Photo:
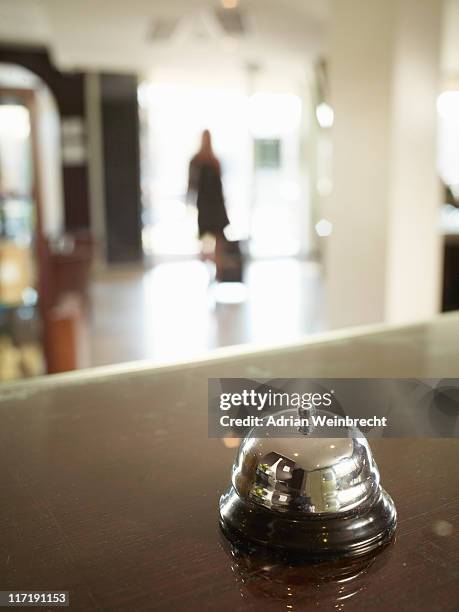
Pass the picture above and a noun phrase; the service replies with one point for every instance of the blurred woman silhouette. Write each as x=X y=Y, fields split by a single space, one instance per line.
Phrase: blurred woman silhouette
x=205 y=181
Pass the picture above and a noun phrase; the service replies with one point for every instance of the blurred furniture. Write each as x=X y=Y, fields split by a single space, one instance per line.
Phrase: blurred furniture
x=68 y=269
x=117 y=494
x=67 y=335
x=70 y=264
x=15 y=271
x=21 y=353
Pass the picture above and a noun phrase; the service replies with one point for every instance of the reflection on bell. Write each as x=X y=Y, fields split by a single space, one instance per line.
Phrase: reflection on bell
x=308 y=494
x=263 y=574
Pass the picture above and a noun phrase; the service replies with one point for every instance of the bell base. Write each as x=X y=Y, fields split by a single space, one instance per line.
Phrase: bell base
x=351 y=534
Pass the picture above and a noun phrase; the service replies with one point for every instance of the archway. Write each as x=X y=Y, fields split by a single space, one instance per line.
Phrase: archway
x=31 y=211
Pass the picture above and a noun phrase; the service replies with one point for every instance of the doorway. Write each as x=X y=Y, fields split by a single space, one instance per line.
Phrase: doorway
x=258 y=140
x=21 y=238
x=31 y=212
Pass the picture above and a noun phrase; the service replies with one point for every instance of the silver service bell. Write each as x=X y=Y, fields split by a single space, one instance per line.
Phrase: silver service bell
x=308 y=493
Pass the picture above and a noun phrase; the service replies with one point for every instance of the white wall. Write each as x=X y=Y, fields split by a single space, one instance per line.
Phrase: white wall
x=360 y=71
x=382 y=259
x=50 y=163
x=414 y=247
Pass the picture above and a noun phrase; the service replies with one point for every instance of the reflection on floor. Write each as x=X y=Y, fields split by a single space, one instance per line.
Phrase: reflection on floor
x=174 y=311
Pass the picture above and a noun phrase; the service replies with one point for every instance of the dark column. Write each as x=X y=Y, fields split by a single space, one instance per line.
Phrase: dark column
x=120 y=134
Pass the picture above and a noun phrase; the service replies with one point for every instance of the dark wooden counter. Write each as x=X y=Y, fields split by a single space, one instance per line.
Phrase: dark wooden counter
x=109 y=488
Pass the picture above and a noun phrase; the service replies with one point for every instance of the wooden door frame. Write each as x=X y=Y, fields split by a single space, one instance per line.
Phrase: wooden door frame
x=28 y=98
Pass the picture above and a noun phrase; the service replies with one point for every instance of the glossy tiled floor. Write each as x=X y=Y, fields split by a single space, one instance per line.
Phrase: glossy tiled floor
x=174 y=311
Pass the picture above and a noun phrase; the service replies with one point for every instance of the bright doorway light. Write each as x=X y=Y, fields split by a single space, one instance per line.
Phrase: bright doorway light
x=448 y=105
x=14 y=122
x=176 y=115
x=274 y=114
x=257 y=140
x=230 y=293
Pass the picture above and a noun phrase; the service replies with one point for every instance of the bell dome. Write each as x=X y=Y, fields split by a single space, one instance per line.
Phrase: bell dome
x=308 y=493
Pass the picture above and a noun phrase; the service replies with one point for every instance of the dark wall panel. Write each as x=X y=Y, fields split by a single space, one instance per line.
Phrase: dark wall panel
x=120 y=127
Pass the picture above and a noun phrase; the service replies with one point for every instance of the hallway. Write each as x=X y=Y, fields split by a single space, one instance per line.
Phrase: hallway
x=173 y=311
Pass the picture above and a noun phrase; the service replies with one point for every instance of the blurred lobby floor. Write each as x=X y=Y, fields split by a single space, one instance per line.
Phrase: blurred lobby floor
x=173 y=311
